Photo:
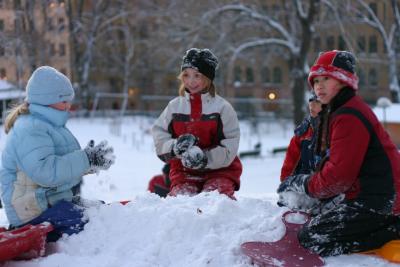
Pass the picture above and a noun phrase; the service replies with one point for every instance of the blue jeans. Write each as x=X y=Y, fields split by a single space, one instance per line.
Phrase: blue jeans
x=66 y=218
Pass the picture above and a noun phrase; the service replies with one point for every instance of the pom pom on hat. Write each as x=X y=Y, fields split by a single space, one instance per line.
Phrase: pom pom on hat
x=339 y=65
x=203 y=60
x=48 y=86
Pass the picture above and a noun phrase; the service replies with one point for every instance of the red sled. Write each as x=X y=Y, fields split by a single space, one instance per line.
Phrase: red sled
x=286 y=252
x=24 y=243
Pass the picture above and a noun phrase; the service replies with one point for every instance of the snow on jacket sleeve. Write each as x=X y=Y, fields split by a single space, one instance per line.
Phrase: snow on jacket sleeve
x=162 y=137
x=223 y=155
x=348 y=145
x=38 y=160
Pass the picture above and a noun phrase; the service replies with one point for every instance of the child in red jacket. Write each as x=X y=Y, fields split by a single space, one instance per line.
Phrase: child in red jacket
x=360 y=161
x=198 y=132
x=300 y=154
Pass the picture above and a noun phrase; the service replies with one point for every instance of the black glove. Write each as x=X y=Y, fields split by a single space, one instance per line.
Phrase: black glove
x=183 y=143
x=194 y=158
x=295 y=183
x=101 y=156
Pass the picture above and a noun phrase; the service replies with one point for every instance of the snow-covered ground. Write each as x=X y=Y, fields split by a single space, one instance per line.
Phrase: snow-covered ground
x=205 y=230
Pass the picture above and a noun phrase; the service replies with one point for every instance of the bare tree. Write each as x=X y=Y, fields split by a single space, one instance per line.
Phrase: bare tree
x=28 y=39
x=87 y=20
x=292 y=32
x=365 y=14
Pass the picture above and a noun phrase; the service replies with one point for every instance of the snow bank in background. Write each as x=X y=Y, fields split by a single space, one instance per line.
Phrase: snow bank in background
x=392 y=113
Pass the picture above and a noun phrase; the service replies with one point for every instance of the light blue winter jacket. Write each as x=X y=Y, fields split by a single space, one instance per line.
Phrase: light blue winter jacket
x=41 y=162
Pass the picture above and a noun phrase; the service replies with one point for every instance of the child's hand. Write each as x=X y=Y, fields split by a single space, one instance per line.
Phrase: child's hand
x=183 y=143
x=101 y=156
x=194 y=158
x=294 y=183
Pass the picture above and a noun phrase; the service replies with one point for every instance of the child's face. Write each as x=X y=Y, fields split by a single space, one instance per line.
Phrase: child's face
x=193 y=80
x=63 y=106
x=315 y=107
x=326 y=88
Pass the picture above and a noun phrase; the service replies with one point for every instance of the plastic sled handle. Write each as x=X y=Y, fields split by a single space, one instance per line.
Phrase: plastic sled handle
x=294 y=226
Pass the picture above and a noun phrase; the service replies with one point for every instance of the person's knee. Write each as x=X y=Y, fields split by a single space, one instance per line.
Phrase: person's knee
x=222 y=185
x=188 y=189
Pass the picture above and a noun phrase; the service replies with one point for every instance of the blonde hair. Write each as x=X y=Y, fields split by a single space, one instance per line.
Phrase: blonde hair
x=13 y=114
x=210 y=87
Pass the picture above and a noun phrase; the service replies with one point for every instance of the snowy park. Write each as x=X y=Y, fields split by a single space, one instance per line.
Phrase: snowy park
x=205 y=230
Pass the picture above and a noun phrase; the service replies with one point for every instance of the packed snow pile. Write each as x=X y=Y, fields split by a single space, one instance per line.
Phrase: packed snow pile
x=204 y=230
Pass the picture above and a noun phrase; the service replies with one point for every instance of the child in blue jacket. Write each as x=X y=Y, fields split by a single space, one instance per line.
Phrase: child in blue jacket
x=42 y=161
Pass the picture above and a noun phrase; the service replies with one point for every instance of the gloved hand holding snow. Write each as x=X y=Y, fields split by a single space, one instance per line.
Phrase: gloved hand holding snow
x=101 y=156
x=194 y=158
x=183 y=143
x=297 y=201
x=294 y=183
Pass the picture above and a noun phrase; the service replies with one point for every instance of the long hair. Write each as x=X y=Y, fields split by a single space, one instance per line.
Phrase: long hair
x=13 y=114
x=210 y=87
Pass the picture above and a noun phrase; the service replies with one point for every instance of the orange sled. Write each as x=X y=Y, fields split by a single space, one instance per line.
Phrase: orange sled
x=390 y=251
x=24 y=243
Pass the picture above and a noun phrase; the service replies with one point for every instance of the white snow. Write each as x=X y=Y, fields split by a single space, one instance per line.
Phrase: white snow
x=204 y=230
x=390 y=114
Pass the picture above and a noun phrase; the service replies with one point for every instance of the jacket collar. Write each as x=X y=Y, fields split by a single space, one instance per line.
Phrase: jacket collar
x=204 y=96
x=342 y=97
x=55 y=117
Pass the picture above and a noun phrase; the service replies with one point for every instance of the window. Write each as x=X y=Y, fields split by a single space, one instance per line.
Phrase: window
x=397 y=44
x=265 y=75
x=1 y=3
x=121 y=35
x=374 y=8
x=373 y=77
x=361 y=77
x=1 y=25
x=237 y=74
x=52 y=51
x=361 y=43
x=317 y=44
x=341 y=43
x=249 y=75
x=277 y=75
x=50 y=25
x=373 y=44
x=61 y=24
x=61 y=50
x=3 y=73
x=330 y=43
x=17 y=4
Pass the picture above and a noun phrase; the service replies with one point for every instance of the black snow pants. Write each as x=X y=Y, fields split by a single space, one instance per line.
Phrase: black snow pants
x=348 y=228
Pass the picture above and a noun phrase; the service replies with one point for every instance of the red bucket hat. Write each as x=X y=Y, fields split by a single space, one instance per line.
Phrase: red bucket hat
x=339 y=65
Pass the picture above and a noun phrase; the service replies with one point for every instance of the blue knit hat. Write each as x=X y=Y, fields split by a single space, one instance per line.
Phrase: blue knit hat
x=48 y=86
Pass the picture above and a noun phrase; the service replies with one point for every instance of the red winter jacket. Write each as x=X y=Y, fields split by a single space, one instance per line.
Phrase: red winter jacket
x=363 y=163
x=214 y=122
x=293 y=153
